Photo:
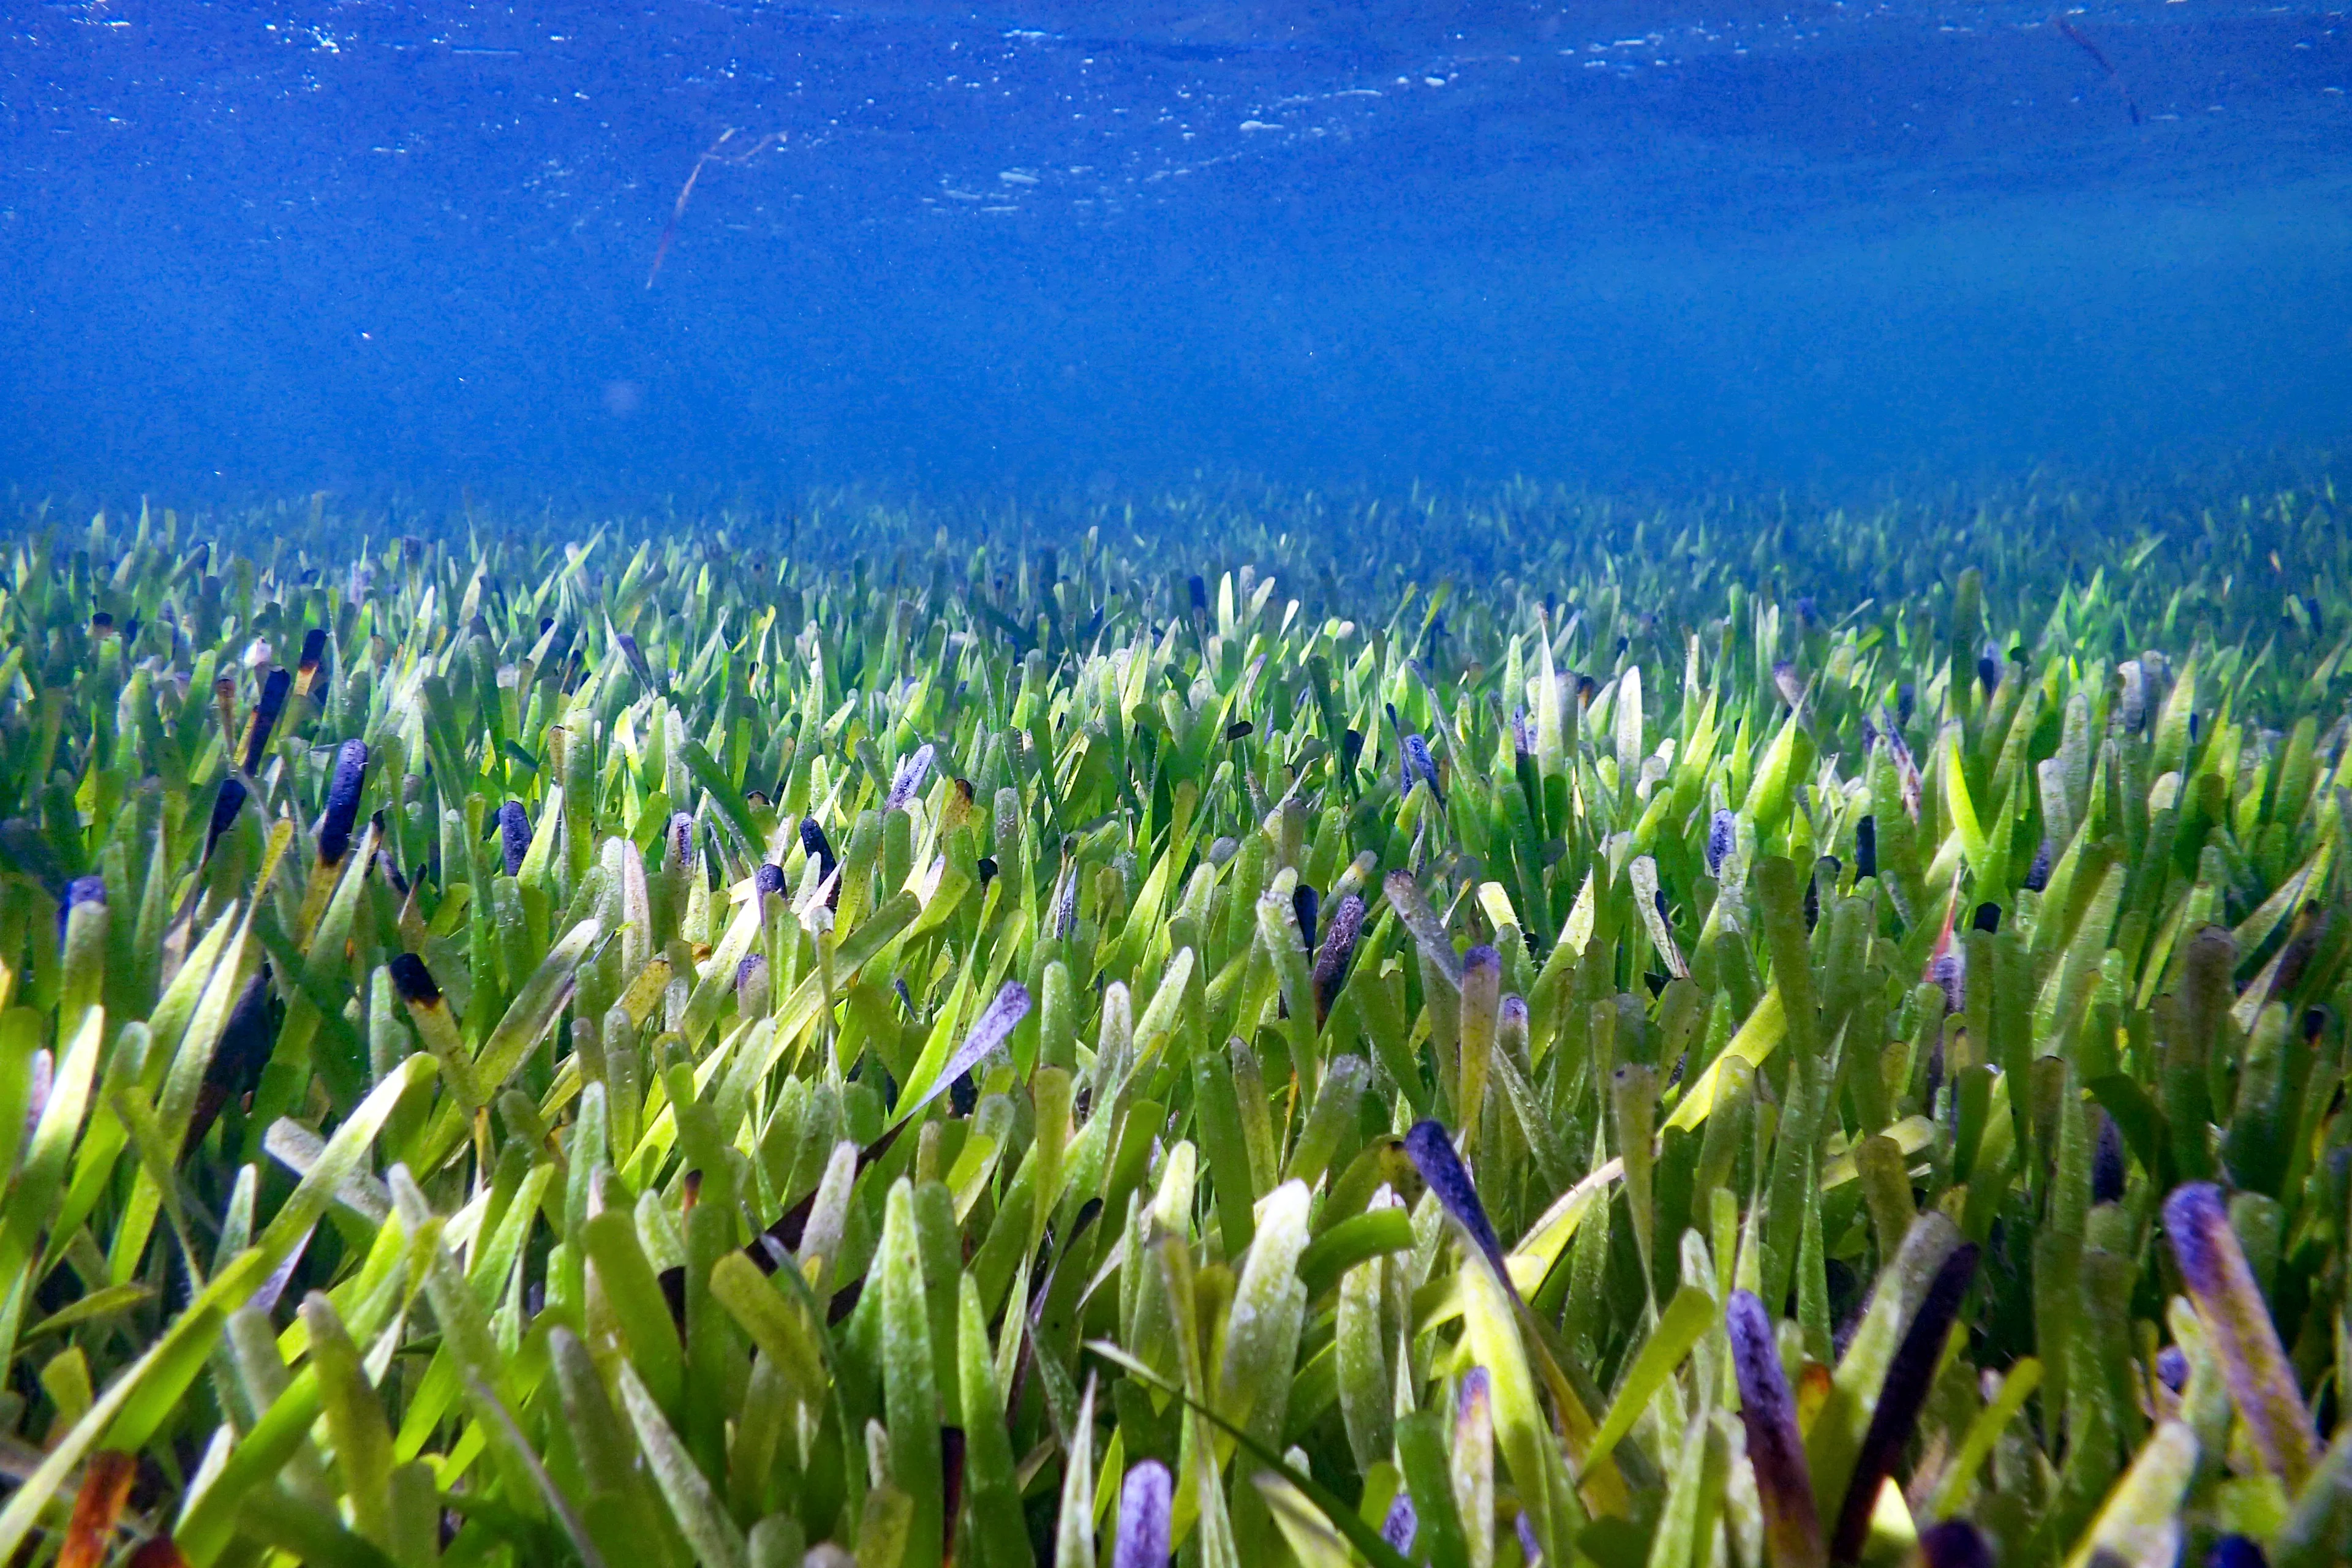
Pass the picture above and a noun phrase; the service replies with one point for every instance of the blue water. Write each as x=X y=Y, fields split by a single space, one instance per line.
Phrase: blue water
x=389 y=248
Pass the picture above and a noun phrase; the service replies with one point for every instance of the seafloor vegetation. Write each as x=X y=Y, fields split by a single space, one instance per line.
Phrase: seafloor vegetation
x=1279 y=1032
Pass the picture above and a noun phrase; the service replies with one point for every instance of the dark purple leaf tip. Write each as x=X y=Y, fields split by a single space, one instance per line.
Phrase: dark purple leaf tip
x=2037 y=875
x=1421 y=767
x=1475 y=1389
x=2107 y=1163
x=414 y=981
x=1146 y=1501
x=1792 y=1521
x=1900 y=1396
x=2197 y=1222
x=908 y=780
x=1955 y=1544
x=951 y=1465
x=342 y=807
x=2244 y=1338
x=226 y=806
x=1431 y=1149
x=989 y=1032
x=265 y=717
x=2236 y=1552
x=1948 y=973
x=1306 y=904
x=1722 y=834
x=514 y=836
x=245 y=1038
x=813 y=841
x=1403 y=1524
x=1338 y=947
x=1529 y=1547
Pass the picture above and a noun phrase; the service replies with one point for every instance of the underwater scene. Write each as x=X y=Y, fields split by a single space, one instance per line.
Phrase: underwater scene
x=1175 y=784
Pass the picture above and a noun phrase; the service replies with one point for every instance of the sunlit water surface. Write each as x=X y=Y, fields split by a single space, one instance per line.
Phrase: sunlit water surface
x=1088 y=247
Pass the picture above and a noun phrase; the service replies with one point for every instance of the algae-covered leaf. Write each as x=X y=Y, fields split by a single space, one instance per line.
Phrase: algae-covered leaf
x=1309 y=1536
x=909 y=1382
x=533 y=1010
x=2139 y=1524
x=1681 y=1323
x=715 y=1537
x=1359 y=1535
x=989 y=1032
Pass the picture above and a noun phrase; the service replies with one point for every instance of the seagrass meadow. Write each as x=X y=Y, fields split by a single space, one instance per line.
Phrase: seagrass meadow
x=1246 y=1029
